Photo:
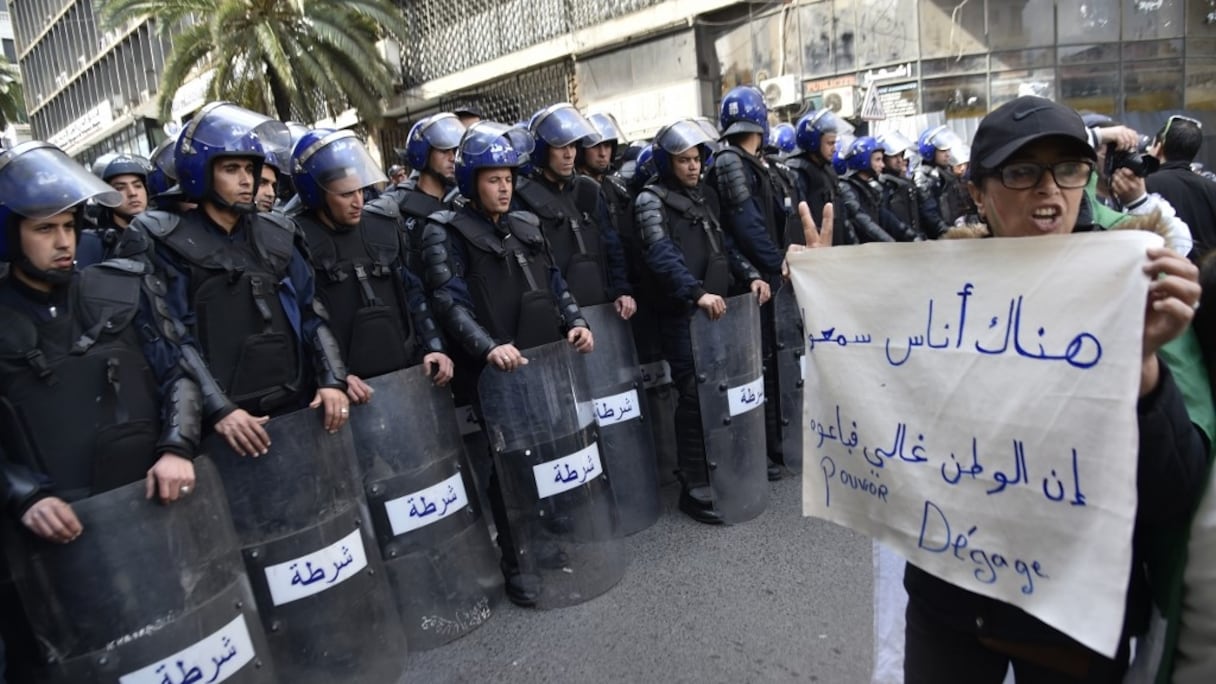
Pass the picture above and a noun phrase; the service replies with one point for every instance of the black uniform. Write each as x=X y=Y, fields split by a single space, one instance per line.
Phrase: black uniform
x=689 y=256
x=583 y=241
x=863 y=200
x=246 y=299
x=92 y=352
x=377 y=309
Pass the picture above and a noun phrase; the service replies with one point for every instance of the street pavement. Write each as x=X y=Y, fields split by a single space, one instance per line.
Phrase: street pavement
x=781 y=598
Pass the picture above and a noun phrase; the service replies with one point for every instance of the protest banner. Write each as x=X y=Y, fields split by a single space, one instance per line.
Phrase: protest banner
x=972 y=404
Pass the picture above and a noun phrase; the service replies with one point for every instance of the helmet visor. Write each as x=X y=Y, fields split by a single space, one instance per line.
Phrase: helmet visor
x=563 y=125
x=38 y=181
x=895 y=143
x=341 y=164
x=443 y=131
x=225 y=123
x=682 y=136
x=947 y=139
x=163 y=159
x=607 y=128
x=484 y=136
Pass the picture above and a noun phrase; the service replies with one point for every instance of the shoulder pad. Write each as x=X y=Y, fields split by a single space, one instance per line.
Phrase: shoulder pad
x=648 y=199
x=280 y=221
x=125 y=266
x=526 y=226
x=384 y=206
x=444 y=217
x=618 y=183
x=157 y=223
x=728 y=158
x=526 y=217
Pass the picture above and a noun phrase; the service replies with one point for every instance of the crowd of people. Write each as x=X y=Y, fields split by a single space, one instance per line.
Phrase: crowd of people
x=253 y=268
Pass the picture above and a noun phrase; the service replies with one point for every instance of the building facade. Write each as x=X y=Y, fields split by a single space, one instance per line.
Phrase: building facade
x=649 y=61
x=89 y=89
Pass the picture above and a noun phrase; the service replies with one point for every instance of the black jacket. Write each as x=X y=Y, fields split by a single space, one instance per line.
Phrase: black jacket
x=1194 y=199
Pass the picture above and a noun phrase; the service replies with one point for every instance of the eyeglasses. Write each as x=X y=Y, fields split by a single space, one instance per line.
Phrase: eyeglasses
x=1178 y=117
x=1025 y=175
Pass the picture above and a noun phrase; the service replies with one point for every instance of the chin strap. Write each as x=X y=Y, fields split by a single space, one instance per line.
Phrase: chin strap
x=238 y=207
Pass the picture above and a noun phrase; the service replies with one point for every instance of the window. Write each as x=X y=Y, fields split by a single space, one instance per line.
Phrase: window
x=1159 y=19
x=1152 y=86
x=1093 y=87
x=1007 y=85
x=1029 y=23
x=1087 y=21
x=1201 y=75
x=958 y=97
x=1024 y=59
x=950 y=28
x=886 y=32
x=816 y=28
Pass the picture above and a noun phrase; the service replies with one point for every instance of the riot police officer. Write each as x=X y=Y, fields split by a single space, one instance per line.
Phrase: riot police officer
x=240 y=284
x=781 y=141
x=816 y=135
x=863 y=199
x=939 y=179
x=755 y=214
x=85 y=347
x=696 y=265
x=274 y=169
x=431 y=151
x=377 y=308
x=597 y=160
x=573 y=215
x=900 y=193
x=127 y=174
x=496 y=290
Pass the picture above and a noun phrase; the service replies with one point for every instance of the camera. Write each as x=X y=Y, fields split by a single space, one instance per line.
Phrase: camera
x=1136 y=161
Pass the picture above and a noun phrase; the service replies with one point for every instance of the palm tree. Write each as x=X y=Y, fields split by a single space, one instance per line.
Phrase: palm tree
x=300 y=59
x=12 y=98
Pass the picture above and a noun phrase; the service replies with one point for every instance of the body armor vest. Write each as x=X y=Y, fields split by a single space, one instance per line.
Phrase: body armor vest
x=241 y=325
x=568 y=222
x=508 y=279
x=694 y=228
x=359 y=283
x=900 y=198
x=84 y=366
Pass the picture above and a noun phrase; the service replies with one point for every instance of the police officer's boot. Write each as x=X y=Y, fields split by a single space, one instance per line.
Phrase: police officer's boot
x=772 y=417
x=522 y=588
x=696 y=499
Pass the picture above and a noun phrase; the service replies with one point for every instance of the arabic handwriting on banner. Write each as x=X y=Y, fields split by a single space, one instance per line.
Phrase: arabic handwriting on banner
x=1054 y=486
x=1084 y=350
x=209 y=661
x=981 y=419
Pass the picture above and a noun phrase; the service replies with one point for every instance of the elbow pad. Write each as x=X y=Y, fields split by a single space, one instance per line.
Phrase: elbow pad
x=732 y=178
x=216 y=404
x=327 y=358
x=183 y=419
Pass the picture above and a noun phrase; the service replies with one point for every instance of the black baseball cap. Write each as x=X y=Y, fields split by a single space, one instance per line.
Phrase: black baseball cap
x=1019 y=122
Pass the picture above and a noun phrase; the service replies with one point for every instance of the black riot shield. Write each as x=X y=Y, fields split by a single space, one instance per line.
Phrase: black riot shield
x=148 y=593
x=312 y=560
x=791 y=346
x=436 y=548
x=623 y=416
x=541 y=427
x=660 y=393
x=730 y=391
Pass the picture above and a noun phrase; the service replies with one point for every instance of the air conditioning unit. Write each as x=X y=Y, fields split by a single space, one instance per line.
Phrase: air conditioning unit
x=782 y=91
x=840 y=101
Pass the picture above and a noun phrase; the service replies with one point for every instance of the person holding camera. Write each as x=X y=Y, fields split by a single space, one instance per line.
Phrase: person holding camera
x=1193 y=196
x=1117 y=189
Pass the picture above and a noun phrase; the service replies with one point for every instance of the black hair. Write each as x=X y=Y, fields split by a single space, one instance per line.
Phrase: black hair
x=1182 y=140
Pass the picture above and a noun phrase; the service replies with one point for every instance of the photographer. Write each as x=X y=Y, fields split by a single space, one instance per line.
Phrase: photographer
x=1194 y=196
x=1117 y=189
